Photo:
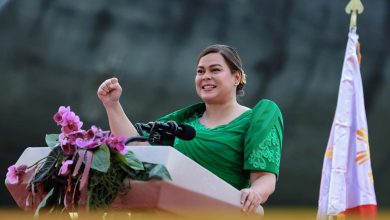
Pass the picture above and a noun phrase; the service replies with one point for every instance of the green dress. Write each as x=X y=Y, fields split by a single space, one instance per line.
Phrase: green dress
x=252 y=141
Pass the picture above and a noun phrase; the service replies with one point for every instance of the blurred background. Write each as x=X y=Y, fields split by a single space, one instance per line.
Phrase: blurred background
x=57 y=52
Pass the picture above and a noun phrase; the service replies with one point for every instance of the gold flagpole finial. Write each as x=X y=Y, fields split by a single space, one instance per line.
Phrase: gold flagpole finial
x=354 y=7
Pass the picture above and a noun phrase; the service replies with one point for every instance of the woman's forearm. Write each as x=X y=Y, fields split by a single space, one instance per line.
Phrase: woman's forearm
x=262 y=186
x=263 y=183
x=120 y=124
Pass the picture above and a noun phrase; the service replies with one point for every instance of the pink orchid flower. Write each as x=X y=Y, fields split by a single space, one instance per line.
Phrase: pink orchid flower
x=117 y=143
x=64 y=170
x=14 y=173
x=58 y=117
x=68 y=141
x=71 y=123
x=90 y=139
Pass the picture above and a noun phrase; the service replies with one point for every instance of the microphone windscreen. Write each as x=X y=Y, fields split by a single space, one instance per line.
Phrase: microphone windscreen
x=187 y=132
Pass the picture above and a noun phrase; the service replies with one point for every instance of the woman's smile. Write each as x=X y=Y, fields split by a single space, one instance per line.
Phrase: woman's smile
x=208 y=87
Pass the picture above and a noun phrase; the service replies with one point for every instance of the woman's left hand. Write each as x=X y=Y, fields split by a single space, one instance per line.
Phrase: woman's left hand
x=251 y=199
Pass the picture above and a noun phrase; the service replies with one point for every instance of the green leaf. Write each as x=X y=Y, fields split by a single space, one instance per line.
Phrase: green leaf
x=131 y=161
x=51 y=140
x=130 y=172
x=157 y=171
x=43 y=203
x=101 y=159
x=50 y=162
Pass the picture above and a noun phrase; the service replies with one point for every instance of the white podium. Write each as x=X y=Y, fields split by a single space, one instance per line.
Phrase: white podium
x=192 y=188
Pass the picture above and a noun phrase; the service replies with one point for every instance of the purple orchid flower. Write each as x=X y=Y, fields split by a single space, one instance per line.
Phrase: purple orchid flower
x=71 y=123
x=68 y=141
x=89 y=139
x=14 y=173
x=92 y=138
x=58 y=117
x=64 y=170
x=117 y=143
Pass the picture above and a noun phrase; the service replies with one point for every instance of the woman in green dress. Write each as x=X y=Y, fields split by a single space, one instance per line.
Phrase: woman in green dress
x=240 y=145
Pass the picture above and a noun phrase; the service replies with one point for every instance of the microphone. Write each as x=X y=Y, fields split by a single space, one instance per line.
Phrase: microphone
x=182 y=131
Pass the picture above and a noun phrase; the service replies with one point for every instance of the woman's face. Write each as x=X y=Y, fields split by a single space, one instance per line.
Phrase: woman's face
x=214 y=80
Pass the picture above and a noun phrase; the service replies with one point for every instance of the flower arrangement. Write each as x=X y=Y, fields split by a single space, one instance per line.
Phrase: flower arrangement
x=84 y=169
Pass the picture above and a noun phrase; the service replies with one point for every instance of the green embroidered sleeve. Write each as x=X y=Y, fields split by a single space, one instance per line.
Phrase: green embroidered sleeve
x=266 y=156
x=263 y=141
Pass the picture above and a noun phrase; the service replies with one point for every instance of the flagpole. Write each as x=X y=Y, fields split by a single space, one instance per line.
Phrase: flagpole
x=354 y=7
x=346 y=188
